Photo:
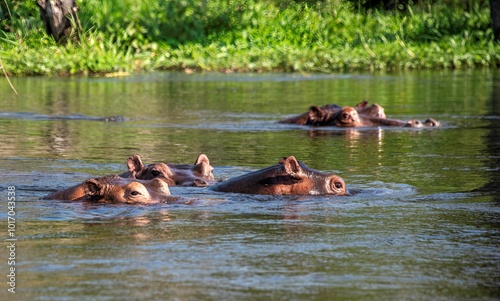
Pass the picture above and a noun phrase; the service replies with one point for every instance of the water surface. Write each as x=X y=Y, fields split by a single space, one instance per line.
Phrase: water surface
x=423 y=224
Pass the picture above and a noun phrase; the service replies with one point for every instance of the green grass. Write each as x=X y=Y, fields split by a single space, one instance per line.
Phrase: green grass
x=245 y=35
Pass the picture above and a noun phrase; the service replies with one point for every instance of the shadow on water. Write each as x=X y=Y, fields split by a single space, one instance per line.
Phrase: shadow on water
x=492 y=142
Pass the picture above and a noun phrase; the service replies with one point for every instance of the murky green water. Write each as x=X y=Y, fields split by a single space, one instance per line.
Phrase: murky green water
x=425 y=224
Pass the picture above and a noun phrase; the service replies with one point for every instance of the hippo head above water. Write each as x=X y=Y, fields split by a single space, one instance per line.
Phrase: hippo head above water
x=115 y=189
x=328 y=114
x=199 y=174
x=288 y=177
x=361 y=115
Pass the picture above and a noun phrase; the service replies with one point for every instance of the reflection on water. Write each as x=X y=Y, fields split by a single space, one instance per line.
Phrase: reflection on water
x=492 y=141
x=422 y=221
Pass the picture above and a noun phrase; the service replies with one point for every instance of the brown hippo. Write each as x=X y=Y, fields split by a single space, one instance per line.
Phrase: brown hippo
x=289 y=177
x=323 y=116
x=350 y=117
x=115 y=189
x=360 y=115
x=199 y=174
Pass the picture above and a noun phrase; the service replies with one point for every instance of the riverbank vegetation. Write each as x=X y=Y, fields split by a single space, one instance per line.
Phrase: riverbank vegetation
x=251 y=35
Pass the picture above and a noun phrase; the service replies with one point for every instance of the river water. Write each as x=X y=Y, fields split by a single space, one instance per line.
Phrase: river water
x=424 y=223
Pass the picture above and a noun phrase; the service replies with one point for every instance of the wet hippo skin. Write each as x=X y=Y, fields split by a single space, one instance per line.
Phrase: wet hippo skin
x=200 y=174
x=115 y=189
x=288 y=177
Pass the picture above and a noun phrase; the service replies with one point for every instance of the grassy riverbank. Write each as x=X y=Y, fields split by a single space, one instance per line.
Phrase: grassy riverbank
x=251 y=35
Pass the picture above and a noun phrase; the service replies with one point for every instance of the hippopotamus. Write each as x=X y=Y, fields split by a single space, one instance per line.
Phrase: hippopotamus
x=288 y=177
x=323 y=116
x=200 y=174
x=350 y=117
x=115 y=189
x=360 y=115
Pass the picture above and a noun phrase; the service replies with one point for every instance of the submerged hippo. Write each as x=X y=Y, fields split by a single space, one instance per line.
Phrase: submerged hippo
x=360 y=115
x=288 y=177
x=349 y=117
x=199 y=174
x=115 y=189
x=323 y=116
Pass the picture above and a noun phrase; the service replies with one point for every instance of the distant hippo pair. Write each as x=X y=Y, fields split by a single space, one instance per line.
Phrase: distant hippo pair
x=288 y=177
x=361 y=115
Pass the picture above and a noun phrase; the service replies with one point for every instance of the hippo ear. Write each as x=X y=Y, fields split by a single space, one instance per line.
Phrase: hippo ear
x=92 y=187
x=202 y=165
x=135 y=165
x=202 y=158
x=291 y=165
x=315 y=113
x=362 y=104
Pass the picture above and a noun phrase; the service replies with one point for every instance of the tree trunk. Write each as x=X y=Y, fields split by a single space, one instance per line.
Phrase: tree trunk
x=495 y=17
x=59 y=17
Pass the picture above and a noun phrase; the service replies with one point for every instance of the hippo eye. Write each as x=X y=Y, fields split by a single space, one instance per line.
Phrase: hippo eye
x=345 y=115
x=155 y=173
x=135 y=193
x=338 y=185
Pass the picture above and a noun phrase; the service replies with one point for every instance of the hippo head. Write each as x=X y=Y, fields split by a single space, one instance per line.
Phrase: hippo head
x=288 y=177
x=114 y=189
x=375 y=110
x=347 y=117
x=309 y=181
x=198 y=174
